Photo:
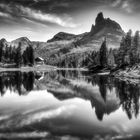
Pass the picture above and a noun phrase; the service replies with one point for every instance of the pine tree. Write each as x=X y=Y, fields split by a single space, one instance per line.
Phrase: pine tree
x=111 y=59
x=31 y=55
x=1 y=50
x=25 y=57
x=18 y=56
x=127 y=47
x=135 y=50
x=124 y=52
x=103 y=54
x=1 y=53
x=121 y=52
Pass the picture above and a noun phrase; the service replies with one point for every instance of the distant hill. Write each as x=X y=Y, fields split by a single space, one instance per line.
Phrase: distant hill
x=66 y=36
x=24 y=41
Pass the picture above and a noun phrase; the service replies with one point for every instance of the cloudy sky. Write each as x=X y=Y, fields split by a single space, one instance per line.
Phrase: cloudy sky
x=41 y=19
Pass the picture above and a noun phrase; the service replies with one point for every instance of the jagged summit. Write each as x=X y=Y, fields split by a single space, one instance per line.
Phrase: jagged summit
x=104 y=27
x=99 y=19
x=101 y=22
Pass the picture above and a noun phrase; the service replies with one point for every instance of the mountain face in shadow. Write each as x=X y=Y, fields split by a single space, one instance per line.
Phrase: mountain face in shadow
x=102 y=22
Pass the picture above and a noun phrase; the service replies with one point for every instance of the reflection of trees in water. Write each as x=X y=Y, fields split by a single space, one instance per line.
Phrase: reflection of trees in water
x=71 y=74
x=15 y=81
x=128 y=93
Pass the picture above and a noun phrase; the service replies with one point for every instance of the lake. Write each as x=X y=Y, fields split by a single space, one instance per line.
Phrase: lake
x=68 y=105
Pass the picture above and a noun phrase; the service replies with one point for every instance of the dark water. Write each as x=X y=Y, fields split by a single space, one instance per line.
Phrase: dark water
x=68 y=105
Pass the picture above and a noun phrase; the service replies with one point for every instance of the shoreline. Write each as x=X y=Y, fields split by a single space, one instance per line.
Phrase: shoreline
x=40 y=68
x=129 y=74
x=27 y=68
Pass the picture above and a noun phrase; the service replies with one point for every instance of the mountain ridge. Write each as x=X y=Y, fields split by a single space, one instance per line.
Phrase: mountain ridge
x=104 y=27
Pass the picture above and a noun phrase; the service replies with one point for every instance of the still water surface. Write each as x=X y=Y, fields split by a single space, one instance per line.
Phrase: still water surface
x=68 y=105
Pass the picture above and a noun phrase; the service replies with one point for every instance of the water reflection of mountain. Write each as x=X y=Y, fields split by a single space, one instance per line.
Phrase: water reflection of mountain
x=105 y=93
x=127 y=93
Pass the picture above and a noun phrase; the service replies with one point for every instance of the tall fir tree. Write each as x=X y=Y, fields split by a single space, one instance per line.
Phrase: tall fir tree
x=111 y=58
x=121 y=52
x=123 y=56
x=31 y=55
x=18 y=56
x=135 y=49
x=127 y=47
x=1 y=53
x=103 y=54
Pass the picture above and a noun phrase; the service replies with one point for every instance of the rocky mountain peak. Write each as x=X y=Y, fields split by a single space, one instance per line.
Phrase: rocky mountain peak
x=99 y=19
x=102 y=23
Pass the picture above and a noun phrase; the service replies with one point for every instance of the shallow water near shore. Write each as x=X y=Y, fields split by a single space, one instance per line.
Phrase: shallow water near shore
x=68 y=105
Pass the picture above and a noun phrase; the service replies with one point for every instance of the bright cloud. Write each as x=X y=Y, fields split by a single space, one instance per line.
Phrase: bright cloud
x=36 y=15
x=66 y=21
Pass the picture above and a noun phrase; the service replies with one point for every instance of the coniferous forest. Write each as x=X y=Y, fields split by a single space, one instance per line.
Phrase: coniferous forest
x=14 y=56
x=128 y=53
